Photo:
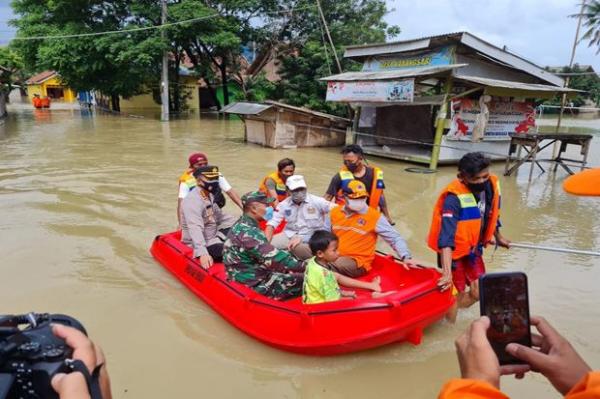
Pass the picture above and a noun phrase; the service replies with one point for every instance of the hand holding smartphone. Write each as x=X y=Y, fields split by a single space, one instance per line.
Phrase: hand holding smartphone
x=504 y=298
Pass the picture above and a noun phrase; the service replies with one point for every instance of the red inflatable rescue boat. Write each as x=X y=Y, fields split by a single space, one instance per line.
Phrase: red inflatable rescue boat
x=321 y=329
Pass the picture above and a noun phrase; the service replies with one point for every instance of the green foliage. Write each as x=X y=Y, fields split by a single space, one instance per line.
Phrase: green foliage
x=310 y=57
x=10 y=67
x=589 y=84
x=591 y=18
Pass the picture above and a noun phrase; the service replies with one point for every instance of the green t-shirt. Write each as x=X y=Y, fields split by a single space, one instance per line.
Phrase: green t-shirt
x=320 y=284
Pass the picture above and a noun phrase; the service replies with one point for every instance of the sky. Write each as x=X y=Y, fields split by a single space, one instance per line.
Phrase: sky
x=538 y=30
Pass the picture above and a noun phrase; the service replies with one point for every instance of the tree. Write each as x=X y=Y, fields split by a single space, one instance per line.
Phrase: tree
x=591 y=17
x=115 y=64
x=310 y=56
x=10 y=65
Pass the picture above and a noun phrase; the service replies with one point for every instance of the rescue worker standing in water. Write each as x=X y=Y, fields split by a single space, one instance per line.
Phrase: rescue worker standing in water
x=466 y=218
x=355 y=168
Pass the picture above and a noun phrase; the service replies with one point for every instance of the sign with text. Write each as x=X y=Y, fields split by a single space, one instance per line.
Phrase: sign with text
x=399 y=91
x=442 y=56
x=503 y=117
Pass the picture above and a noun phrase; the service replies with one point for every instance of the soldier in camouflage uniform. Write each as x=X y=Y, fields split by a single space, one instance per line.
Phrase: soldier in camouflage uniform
x=250 y=259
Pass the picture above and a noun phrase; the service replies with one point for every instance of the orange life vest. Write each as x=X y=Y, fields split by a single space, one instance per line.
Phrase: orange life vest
x=468 y=231
x=376 y=187
x=356 y=233
x=587 y=388
x=280 y=188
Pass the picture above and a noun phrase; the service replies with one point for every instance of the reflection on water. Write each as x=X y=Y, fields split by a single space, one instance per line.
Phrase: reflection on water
x=82 y=196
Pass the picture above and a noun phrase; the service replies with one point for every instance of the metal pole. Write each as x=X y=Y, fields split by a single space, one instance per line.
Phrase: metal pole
x=564 y=96
x=164 y=84
x=554 y=249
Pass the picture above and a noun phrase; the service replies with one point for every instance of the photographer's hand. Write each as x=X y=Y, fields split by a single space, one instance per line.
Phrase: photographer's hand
x=73 y=385
x=556 y=358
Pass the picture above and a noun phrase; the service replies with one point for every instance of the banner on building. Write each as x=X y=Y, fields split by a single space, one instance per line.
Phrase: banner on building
x=399 y=91
x=501 y=119
x=442 y=56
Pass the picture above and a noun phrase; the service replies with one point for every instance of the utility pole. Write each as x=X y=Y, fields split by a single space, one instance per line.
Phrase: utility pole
x=164 y=84
x=564 y=96
x=337 y=60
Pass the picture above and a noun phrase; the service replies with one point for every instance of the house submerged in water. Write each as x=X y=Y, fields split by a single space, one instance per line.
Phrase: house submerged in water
x=430 y=100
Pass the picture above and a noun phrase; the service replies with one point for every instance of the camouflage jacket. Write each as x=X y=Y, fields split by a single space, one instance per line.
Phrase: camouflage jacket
x=250 y=259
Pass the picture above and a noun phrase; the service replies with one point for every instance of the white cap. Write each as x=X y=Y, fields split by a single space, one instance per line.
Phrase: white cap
x=295 y=181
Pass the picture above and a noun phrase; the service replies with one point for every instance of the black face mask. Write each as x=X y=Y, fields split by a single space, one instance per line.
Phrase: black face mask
x=476 y=187
x=351 y=166
x=211 y=186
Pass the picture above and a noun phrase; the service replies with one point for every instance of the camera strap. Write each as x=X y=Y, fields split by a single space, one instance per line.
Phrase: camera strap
x=92 y=381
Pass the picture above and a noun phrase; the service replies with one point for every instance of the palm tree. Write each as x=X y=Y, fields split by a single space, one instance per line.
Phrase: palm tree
x=591 y=20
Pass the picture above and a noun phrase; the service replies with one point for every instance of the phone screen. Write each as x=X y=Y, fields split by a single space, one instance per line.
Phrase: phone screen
x=504 y=299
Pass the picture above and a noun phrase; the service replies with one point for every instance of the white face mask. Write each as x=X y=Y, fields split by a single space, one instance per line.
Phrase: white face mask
x=356 y=205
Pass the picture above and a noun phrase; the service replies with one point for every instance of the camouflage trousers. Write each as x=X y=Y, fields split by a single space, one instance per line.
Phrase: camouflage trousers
x=282 y=286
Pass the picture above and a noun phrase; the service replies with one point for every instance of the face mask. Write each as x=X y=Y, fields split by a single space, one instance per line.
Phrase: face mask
x=298 y=196
x=356 y=205
x=476 y=187
x=268 y=213
x=352 y=167
x=211 y=186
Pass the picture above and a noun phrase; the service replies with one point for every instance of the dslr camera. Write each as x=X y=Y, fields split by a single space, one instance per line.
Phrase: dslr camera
x=30 y=354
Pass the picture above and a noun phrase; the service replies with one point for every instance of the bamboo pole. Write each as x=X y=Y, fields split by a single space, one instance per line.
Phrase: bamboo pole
x=554 y=249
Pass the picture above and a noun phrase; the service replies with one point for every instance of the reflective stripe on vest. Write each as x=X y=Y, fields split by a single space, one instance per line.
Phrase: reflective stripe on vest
x=468 y=230
x=376 y=188
x=280 y=188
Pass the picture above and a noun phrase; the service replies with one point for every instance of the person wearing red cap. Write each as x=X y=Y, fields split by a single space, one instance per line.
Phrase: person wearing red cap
x=187 y=183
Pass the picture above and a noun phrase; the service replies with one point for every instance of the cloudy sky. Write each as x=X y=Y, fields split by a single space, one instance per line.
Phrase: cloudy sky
x=539 y=30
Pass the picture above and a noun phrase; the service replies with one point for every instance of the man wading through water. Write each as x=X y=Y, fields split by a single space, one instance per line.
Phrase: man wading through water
x=466 y=218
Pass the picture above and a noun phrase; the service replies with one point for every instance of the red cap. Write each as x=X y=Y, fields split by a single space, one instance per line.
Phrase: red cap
x=194 y=158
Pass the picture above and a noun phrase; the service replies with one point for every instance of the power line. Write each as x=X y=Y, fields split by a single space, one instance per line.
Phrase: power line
x=187 y=21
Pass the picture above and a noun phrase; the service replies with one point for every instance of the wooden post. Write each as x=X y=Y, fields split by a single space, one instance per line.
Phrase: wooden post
x=440 y=122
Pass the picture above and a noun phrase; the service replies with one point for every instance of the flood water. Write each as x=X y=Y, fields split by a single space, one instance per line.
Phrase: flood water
x=82 y=197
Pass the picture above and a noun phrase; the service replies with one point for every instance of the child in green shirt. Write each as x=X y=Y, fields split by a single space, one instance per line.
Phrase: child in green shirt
x=322 y=284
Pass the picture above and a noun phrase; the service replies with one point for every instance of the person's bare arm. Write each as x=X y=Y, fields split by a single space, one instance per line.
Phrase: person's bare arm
x=446 y=259
x=269 y=232
x=353 y=283
x=384 y=209
x=235 y=198
x=178 y=213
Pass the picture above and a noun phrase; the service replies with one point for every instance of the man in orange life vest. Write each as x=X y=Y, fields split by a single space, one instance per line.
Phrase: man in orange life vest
x=356 y=168
x=466 y=219
x=358 y=226
x=552 y=355
x=273 y=185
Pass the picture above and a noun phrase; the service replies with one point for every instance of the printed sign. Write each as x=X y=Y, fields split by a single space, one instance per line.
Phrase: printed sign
x=442 y=56
x=400 y=91
x=504 y=117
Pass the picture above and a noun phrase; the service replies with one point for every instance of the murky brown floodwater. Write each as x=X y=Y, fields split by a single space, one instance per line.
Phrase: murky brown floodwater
x=82 y=197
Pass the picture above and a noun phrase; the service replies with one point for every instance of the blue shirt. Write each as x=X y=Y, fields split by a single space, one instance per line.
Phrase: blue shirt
x=451 y=212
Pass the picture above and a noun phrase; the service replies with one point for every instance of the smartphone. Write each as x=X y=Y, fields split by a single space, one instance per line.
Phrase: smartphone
x=504 y=298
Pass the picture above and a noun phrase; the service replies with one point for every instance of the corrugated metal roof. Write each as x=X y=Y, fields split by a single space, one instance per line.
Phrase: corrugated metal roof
x=245 y=108
x=514 y=85
x=40 y=77
x=248 y=108
x=404 y=41
x=397 y=74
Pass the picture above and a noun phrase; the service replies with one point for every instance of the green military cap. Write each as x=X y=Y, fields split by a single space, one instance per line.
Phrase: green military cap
x=256 y=196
